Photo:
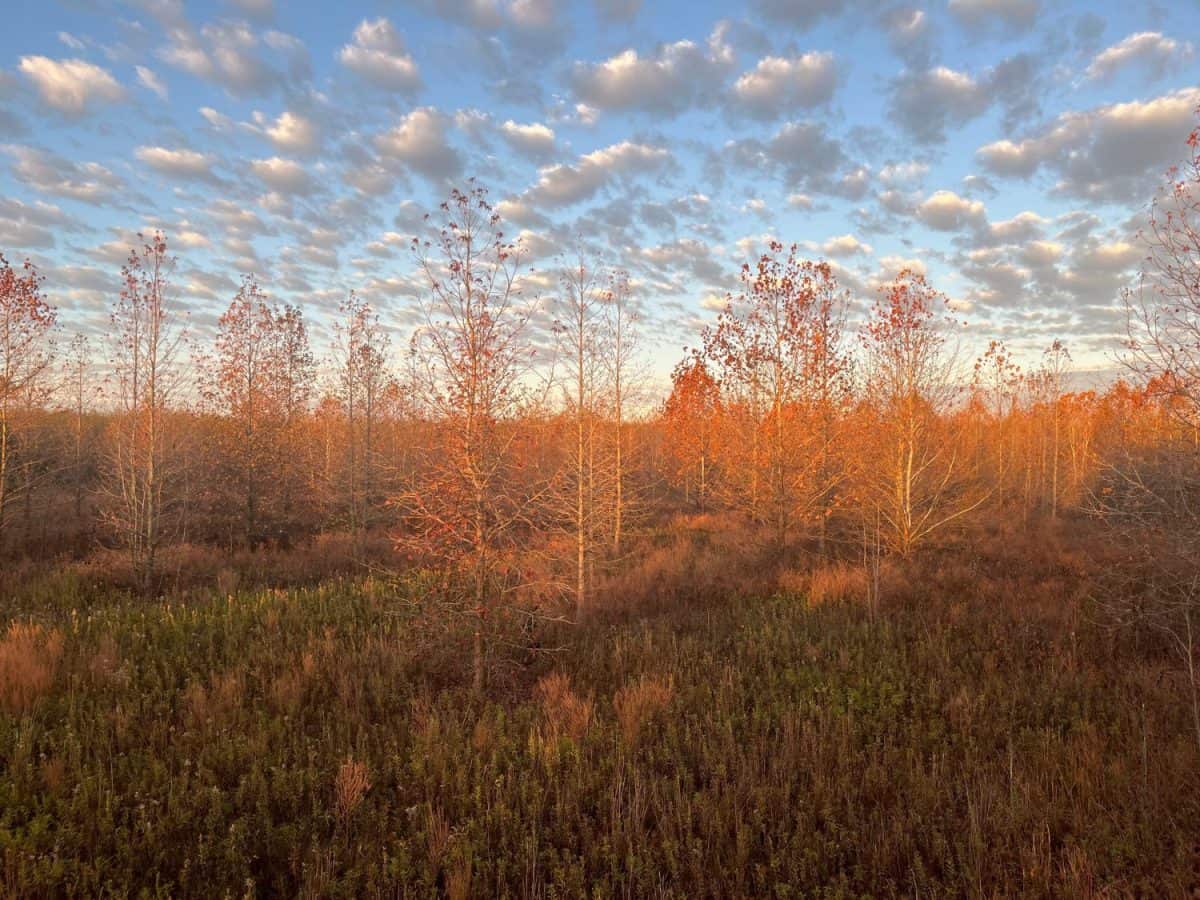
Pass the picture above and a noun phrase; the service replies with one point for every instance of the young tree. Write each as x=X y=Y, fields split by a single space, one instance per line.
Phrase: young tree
x=916 y=478
x=578 y=329
x=471 y=497
x=784 y=375
x=80 y=392
x=26 y=322
x=142 y=469
x=239 y=385
x=363 y=378
x=1163 y=308
x=691 y=417
x=619 y=358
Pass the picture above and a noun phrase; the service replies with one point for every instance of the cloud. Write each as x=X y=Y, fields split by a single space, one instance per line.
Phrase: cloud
x=618 y=10
x=482 y=14
x=806 y=157
x=87 y=182
x=419 y=142
x=1021 y=228
x=1147 y=48
x=256 y=9
x=151 y=82
x=293 y=133
x=926 y=102
x=802 y=14
x=565 y=184
x=177 y=163
x=1108 y=154
x=534 y=139
x=218 y=121
x=947 y=211
x=676 y=77
x=845 y=245
x=1015 y=15
x=777 y=85
x=24 y=225
x=71 y=86
x=225 y=53
x=377 y=54
x=283 y=175
x=894 y=174
x=908 y=34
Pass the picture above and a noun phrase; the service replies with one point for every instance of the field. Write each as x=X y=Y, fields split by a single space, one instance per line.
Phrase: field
x=319 y=742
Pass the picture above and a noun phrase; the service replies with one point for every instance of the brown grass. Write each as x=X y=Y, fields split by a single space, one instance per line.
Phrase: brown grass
x=566 y=712
x=838 y=583
x=29 y=658
x=349 y=787
x=640 y=701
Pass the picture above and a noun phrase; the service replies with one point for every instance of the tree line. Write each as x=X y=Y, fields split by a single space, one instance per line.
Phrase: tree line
x=474 y=448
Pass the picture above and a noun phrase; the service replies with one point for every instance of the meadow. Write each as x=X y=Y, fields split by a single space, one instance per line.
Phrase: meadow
x=978 y=732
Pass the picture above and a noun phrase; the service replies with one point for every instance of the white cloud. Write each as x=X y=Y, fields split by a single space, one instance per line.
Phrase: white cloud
x=72 y=86
x=176 y=163
x=779 y=84
x=1110 y=153
x=293 y=133
x=1024 y=226
x=151 y=82
x=283 y=175
x=1149 y=48
x=534 y=139
x=564 y=184
x=226 y=53
x=903 y=173
x=87 y=182
x=377 y=54
x=420 y=143
x=677 y=76
x=947 y=211
x=845 y=245
x=217 y=120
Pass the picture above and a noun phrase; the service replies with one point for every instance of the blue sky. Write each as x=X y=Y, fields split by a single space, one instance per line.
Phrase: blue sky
x=1007 y=147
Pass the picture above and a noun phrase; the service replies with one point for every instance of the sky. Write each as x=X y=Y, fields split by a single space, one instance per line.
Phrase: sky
x=1007 y=148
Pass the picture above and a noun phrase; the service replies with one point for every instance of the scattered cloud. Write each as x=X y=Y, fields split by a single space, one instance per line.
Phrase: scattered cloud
x=1149 y=49
x=181 y=163
x=675 y=77
x=377 y=54
x=779 y=85
x=420 y=143
x=71 y=86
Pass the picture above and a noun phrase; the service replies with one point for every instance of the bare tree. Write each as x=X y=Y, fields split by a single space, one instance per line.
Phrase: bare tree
x=916 y=478
x=578 y=328
x=26 y=321
x=471 y=496
x=142 y=467
x=363 y=375
x=1150 y=493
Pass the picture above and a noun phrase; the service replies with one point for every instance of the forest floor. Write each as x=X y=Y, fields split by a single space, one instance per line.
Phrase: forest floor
x=321 y=742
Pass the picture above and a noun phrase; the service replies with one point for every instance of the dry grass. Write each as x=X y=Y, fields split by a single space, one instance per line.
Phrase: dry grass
x=349 y=787
x=29 y=658
x=838 y=583
x=566 y=712
x=640 y=701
